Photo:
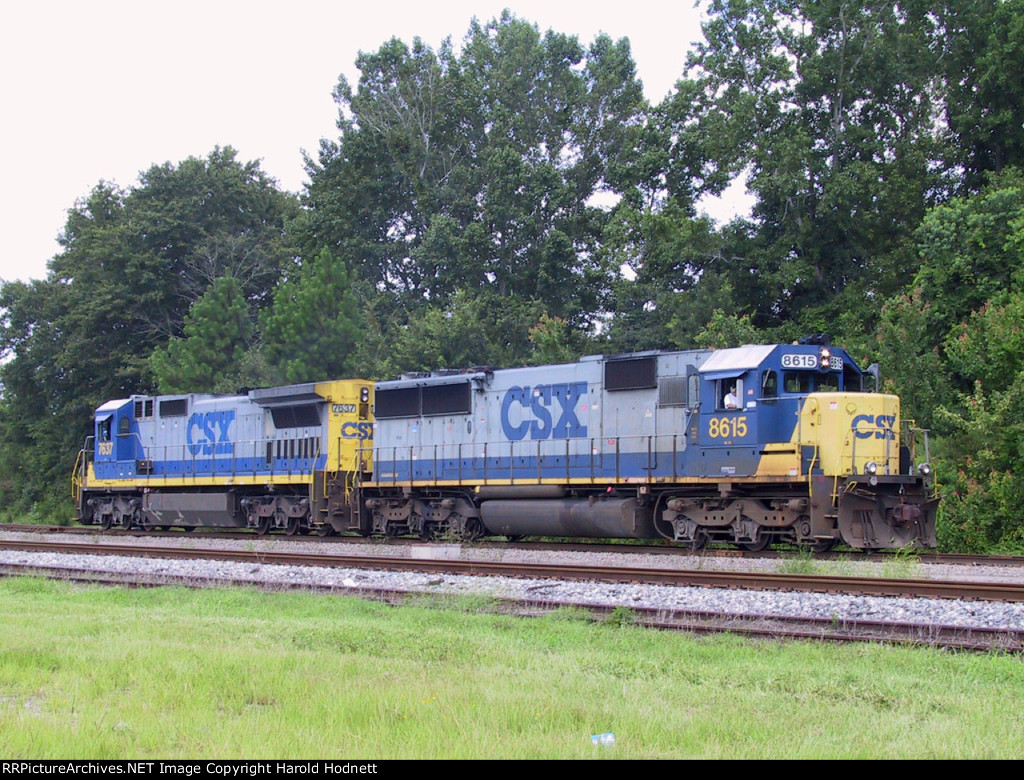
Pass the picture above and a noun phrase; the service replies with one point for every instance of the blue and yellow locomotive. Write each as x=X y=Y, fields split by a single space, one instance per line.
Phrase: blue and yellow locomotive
x=750 y=446
x=284 y=458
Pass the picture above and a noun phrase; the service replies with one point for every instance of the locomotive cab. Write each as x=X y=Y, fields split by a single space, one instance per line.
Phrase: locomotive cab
x=114 y=435
x=757 y=394
x=819 y=459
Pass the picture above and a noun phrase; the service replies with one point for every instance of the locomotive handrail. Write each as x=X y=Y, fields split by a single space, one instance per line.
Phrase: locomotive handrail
x=691 y=413
x=603 y=458
x=912 y=433
x=138 y=438
x=81 y=469
x=306 y=466
x=810 y=468
x=434 y=454
x=838 y=469
x=77 y=476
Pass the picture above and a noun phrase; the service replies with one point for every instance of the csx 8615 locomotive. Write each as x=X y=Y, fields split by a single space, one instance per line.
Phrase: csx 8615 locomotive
x=750 y=446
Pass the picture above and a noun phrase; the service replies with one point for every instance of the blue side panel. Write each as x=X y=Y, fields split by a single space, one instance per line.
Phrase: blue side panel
x=642 y=465
x=730 y=428
x=205 y=467
x=778 y=418
x=736 y=461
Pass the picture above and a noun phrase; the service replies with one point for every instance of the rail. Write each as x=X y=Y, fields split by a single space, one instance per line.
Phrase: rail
x=607 y=572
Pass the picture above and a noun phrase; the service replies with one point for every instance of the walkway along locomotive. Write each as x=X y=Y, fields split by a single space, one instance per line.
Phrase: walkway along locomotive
x=640 y=446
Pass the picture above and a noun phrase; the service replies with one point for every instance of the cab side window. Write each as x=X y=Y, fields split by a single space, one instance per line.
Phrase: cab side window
x=730 y=393
x=769 y=387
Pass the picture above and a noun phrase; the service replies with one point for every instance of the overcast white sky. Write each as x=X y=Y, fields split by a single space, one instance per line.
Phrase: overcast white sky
x=103 y=89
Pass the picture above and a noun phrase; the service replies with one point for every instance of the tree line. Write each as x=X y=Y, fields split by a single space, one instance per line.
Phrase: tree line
x=515 y=199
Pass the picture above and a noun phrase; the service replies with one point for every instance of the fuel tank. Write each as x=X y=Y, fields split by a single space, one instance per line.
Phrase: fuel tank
x=593 y=517
x=192 y=509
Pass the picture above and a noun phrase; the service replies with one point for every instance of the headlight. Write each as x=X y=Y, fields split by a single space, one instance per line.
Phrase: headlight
x=924 y=469
x=871 y=468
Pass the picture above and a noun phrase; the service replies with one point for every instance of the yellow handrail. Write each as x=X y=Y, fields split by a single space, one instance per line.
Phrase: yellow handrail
x=810 y=470
x=76 y=477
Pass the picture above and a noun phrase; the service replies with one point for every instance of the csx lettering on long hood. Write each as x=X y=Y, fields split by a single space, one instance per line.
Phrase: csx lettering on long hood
x=361 y=431
x=541 y=417
x=210 y=432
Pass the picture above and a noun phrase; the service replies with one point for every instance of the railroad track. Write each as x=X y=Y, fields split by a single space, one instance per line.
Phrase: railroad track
x=921 y=556
x=759 y=626
x=805 y=583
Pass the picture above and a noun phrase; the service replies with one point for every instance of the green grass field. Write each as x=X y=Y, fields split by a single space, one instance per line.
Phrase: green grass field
x=175 y=673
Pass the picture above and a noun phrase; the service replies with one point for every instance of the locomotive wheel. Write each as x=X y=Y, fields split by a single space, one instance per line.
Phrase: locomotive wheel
x=106 y=521
x=325 y=530
x=263 y=525
x=474 y=529
x=700 y=541
x=292 y=526
x=761 y=542
x=824 y=545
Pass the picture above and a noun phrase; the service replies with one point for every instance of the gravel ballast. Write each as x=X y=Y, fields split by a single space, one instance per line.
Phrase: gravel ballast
x=934 y=612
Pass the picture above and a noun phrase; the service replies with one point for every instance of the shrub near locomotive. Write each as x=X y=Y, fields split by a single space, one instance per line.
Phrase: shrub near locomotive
x=282 y=458
x=652 y=444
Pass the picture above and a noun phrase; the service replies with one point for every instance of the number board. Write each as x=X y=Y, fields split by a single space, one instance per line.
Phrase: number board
x=791 y=360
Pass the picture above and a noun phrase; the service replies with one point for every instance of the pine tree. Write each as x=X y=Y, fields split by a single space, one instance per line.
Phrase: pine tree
x=218 y=330
x=310 y=332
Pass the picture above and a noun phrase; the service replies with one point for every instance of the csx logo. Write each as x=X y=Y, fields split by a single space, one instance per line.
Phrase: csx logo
x=540 y=404
x=880 y=427
x=361 y=431
x=210 y=432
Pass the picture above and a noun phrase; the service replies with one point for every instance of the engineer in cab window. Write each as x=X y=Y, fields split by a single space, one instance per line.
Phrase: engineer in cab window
x=731 y=401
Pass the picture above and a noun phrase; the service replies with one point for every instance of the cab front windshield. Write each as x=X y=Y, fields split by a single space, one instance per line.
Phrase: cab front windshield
x=804 y=382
